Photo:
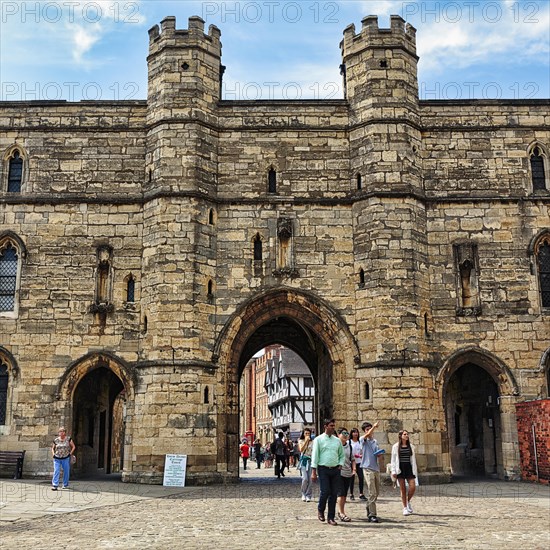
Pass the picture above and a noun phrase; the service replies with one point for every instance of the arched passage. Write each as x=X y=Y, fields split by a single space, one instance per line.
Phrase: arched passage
x=477 y=392
x=299 y=321
x=97 y=391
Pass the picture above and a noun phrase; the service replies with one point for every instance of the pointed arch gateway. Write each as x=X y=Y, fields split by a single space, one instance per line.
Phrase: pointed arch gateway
x=299 y=320
x=96 y=396
x=478 y=392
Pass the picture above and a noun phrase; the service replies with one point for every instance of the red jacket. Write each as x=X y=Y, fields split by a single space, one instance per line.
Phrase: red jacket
x=245 y=450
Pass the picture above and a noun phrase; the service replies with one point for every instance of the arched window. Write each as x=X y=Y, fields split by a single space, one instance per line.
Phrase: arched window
x=366 y=391
x=210 y=290
x=359 y=182
x=211 y=217
x=15 y=172
x=538 y=174
x=8 y=277
x=542 y=252
x=258 y=254
x=4 y=378
x=130 y=289
x=272 y=181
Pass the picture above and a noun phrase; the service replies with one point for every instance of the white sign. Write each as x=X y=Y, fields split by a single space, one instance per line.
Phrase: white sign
x=174 y=470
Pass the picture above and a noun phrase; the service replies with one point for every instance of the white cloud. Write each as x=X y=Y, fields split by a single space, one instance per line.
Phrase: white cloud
x=475 y=39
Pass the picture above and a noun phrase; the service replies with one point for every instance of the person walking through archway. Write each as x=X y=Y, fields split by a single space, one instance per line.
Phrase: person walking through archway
x=327 y=459
x=305 y=443
x=278 y=451
x=62 y=452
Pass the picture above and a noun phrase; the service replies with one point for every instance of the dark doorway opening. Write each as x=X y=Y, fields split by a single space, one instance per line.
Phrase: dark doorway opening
x=473 y=418
x=99 y=422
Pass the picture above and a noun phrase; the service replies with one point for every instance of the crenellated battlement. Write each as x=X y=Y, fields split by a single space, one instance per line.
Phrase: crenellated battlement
x=194 y=36
x=399 y=35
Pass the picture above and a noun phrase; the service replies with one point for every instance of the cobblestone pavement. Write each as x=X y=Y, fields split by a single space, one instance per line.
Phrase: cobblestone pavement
x=262 y=510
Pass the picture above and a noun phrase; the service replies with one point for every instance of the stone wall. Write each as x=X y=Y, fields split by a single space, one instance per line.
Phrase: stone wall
x=175 y=190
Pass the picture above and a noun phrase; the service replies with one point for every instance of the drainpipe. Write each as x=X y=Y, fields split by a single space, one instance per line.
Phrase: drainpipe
x=535 y=449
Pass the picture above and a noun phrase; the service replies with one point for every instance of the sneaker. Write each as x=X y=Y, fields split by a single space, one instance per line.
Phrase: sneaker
x=409 y=507
x=374 y=519
x=351 y=497
x=362 y=497
x=303 y=498
x=54 y=488
x=308 y=499
x=406 y=511
x=66 y=487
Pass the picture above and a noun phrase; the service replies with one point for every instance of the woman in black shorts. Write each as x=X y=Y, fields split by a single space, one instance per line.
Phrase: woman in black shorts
x=403 y=468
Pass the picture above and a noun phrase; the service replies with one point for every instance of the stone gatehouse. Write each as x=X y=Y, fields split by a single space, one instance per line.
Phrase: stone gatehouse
x=149 y=248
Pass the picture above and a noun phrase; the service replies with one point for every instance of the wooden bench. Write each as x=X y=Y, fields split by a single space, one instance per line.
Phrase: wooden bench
x=13 y=458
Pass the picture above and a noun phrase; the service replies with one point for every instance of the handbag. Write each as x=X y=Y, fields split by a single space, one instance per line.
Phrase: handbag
x=73 y=459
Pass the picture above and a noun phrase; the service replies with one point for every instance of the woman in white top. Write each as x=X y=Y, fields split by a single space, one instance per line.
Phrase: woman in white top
x=305 y=444
x=403 y=468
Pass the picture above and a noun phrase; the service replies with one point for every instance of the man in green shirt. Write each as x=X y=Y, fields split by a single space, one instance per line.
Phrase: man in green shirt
x=327 y=460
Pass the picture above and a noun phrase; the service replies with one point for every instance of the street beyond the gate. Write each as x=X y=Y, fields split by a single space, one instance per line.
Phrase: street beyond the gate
x=263 y=512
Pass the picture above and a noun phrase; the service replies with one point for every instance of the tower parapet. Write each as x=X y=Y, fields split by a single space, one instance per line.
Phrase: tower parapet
x=381 y=64
x=184 y=69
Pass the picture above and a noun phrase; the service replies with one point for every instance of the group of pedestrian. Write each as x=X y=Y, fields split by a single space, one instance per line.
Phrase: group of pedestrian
x=336 y=460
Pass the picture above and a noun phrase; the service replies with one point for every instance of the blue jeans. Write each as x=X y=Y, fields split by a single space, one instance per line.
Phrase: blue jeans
x=59 y=463
x=329 y=481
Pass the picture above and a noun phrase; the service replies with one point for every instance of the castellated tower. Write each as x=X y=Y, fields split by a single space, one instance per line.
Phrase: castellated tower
x=179 y=241
x=392 y=301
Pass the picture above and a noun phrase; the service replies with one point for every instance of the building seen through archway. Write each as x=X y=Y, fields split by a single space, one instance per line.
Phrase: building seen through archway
x=277 y=393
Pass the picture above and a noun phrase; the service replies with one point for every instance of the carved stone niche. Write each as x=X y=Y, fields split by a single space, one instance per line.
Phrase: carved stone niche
x=285 y=254
x=467 y=270
x=284 y=228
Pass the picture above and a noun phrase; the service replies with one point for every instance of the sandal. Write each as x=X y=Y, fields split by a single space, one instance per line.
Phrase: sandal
x=344 y=518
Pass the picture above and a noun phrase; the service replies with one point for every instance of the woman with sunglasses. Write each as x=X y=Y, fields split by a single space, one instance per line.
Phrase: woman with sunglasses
x=347 y=473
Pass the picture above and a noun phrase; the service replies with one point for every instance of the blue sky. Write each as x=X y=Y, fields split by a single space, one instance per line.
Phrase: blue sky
x=272 y=48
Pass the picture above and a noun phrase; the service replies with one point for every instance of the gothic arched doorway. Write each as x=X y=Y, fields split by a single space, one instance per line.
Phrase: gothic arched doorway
x=478 y=394
x=301 y=322
x=96 y=391
x=98 y=422
x=473 y=418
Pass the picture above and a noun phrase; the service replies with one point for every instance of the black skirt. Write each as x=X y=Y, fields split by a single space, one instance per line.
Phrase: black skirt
x=406 y=471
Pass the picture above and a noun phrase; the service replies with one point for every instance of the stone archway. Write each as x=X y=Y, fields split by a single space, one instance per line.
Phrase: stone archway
x=97 y=392
x=478 y=393
x=298 y=320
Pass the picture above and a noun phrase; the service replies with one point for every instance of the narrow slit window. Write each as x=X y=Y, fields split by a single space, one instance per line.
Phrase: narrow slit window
x=210 y=287
x=362 y=277
x=211 y=217
x=15 y=173
x=258 y=252
x=206 y=395
x=537 y=170
x=359 y=182
x=367 y=391
x=130 y=289
x=272 y=181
